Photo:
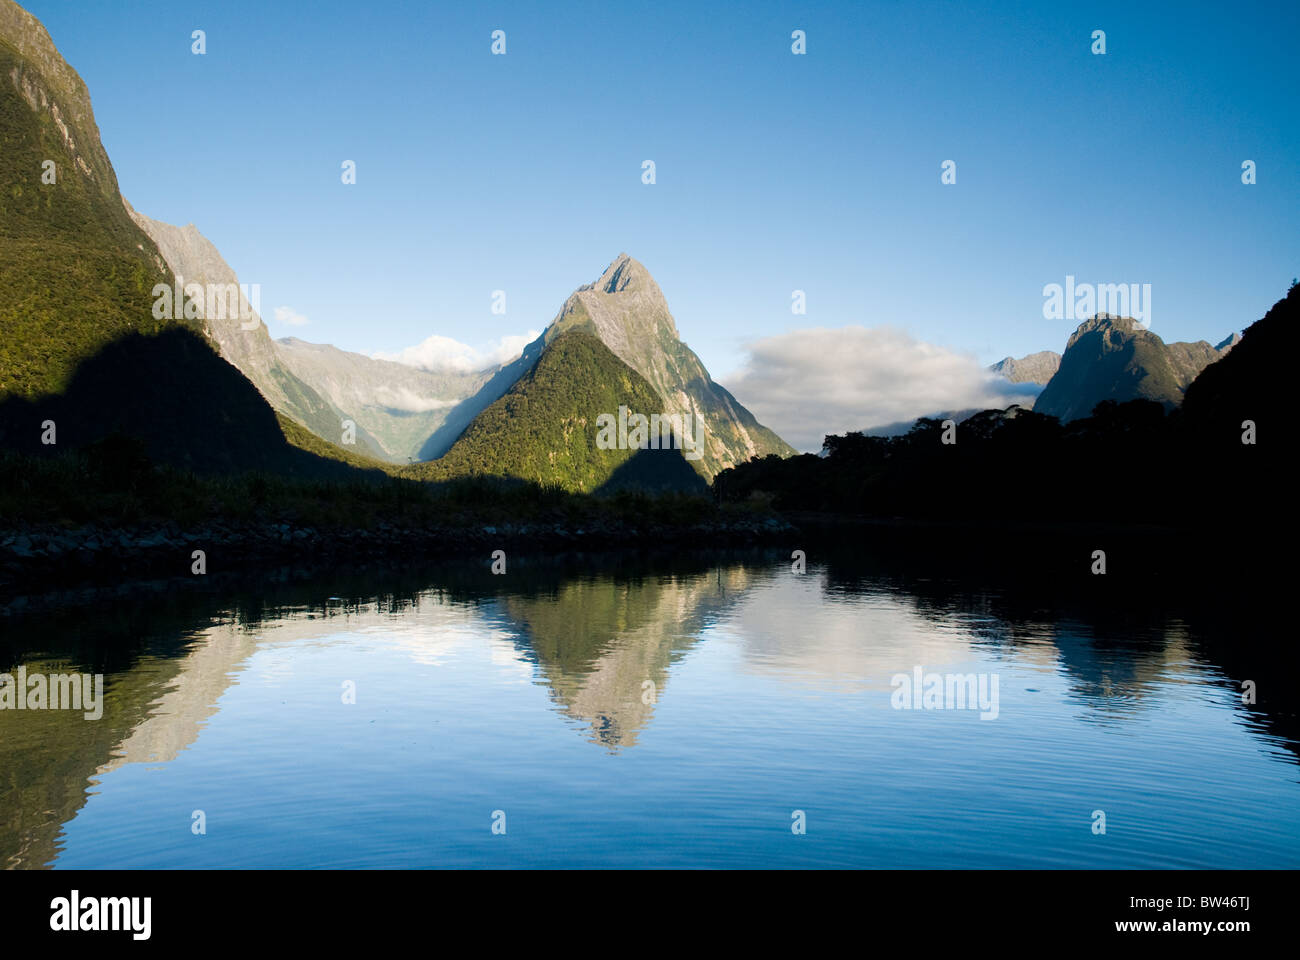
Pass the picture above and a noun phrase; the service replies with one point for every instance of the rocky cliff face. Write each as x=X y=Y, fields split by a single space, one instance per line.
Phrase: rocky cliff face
x=193 y=259
x=51 y=87
x=242 y=338
x=1035 y=368
x=396 y=407
x=626 y=309
x=80 y=342
x=1116 y=358
x=1226 y=344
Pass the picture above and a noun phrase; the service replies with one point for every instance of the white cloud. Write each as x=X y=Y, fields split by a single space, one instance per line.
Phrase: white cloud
x=400 y=398
x=810 y=383
x=443 y=353
x=290 y=317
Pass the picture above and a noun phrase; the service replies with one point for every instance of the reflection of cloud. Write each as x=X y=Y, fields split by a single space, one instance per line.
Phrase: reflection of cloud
x=443 y=353
x=791 y=627
x=438 y=632
x=810 y=383
x=431 y=635
x=503 y=653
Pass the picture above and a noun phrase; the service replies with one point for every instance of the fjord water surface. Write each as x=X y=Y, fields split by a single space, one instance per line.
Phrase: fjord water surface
x=682 y=713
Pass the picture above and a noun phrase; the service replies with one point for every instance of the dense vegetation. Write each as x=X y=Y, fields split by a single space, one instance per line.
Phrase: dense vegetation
x=671 y=368
x=79 y=344
x=544 y=429
x=75 y=270
x=113 y=483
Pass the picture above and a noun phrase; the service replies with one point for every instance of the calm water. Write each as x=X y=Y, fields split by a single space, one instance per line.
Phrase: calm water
x=656 y=715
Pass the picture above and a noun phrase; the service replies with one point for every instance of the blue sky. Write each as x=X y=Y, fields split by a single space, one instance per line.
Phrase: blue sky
x=775 y=172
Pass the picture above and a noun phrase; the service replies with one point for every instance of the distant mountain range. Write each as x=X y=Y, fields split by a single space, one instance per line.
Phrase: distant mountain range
x=1035 y=368
x=1111 y=358
x=395 y=407
x=246 y=344
x=404 y=413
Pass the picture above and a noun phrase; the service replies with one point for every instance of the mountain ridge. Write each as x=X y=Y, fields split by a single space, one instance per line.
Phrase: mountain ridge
x=1037 y=367
x=627 y=310
x=1117 y=358
x=240 y=335
x=544 y=428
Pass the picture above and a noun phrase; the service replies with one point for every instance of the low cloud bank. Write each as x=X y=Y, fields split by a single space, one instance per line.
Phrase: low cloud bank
x=810 y=383
x=443 y=353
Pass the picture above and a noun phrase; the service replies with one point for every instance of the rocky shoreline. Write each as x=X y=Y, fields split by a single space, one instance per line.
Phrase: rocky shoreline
x=35 y=558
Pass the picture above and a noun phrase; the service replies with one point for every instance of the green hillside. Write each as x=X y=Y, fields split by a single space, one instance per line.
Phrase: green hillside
x=628 y=312
x=75 y=270
x=79 y=344
x=544 y=428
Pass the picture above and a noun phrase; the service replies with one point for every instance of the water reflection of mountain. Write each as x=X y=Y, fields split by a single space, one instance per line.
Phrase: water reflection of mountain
x=167 y=656
x=595 y=633
x=1114 y=640
x=599 y=640
x=47 y=758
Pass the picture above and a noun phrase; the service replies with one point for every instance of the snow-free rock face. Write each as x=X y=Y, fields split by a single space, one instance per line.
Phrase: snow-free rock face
x=241 y=337
x=51 y=87
x=240 y=333
x=1117 y=358
x=395 y=407
x=1226 y=344
x=1035 y=368
x=628 y=312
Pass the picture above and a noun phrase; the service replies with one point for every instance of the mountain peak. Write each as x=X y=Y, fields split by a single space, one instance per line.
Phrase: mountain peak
x=1034 y=368
x=625 y=307
x=1118 y=358
x=623 y=273
x=627 y=312
x=1108 y=324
